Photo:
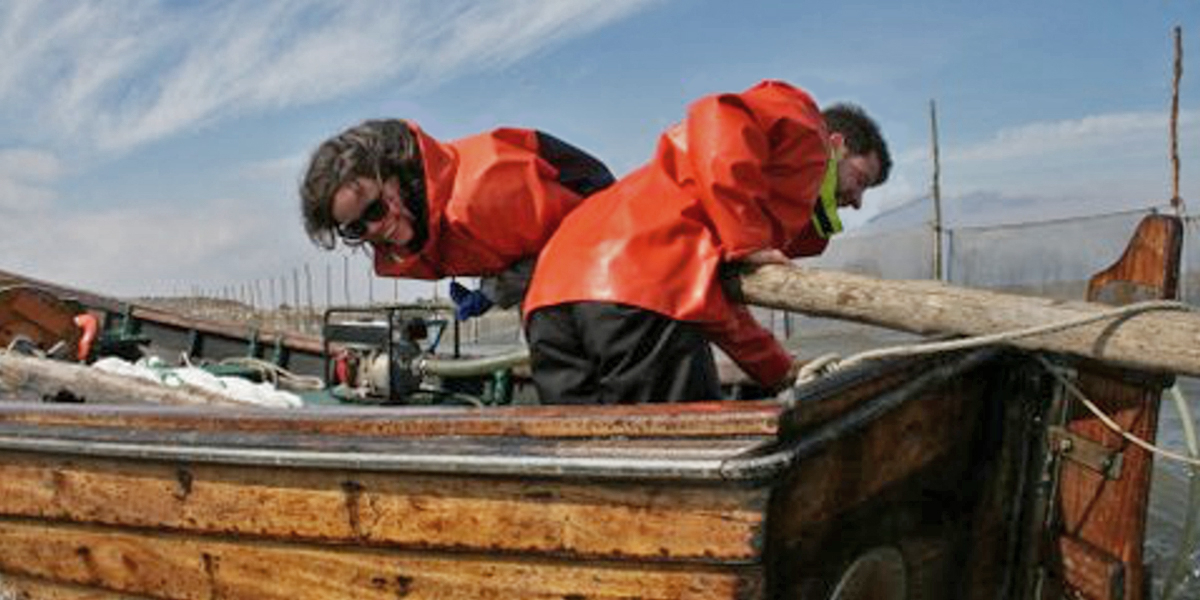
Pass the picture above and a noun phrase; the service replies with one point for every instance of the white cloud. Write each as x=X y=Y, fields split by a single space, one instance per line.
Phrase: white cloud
x=1131 y=131
x=26 y=179
x=285 y=169
x=113 y=74
x=213 y=246
x=1103 y=161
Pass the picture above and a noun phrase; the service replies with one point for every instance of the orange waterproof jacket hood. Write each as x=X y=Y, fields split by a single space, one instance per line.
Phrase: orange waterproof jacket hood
x=741 y=173
x=491 y=199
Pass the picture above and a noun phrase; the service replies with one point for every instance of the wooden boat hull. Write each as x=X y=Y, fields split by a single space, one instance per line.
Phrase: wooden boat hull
x=720 y=500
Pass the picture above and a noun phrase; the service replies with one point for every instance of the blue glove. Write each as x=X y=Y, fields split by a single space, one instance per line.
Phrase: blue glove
x=468 y=303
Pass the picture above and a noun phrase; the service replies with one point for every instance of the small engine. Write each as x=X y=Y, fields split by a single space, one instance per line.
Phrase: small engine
x=374 y=354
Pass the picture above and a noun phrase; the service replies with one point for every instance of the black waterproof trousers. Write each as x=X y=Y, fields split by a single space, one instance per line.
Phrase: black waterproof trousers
x=604 y=353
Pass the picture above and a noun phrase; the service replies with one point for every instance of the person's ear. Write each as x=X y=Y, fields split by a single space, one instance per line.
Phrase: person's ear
x=837 y=141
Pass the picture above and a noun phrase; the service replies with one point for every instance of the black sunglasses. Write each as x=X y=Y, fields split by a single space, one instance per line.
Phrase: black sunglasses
x=355 y=230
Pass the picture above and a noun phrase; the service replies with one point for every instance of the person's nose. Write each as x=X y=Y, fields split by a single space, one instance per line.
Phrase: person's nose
x=852 y=198
x=378 y=228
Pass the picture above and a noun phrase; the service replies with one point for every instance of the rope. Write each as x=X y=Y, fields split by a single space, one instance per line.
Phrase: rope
x=1113 y=425
x=828 y=363
x=277 y=375
x=1179 y=566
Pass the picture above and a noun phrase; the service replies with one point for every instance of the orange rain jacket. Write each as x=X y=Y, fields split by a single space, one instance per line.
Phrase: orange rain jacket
x=492 y=199
x=741 y=173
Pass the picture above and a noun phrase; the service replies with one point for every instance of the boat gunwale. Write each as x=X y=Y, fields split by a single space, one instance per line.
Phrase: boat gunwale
x=754 y=457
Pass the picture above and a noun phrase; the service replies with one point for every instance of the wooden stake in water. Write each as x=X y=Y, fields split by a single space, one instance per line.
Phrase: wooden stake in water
x=937 y=196
x=1176 y=199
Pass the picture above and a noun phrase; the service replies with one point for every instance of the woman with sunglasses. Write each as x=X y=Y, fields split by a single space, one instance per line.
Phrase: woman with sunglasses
x=430 y=209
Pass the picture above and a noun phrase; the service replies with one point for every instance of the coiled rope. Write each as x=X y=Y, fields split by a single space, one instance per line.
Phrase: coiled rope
x=277 y=375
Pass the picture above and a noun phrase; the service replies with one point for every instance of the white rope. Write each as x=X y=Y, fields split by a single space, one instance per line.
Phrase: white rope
x=278 y=375
x=1178 y=571
x=274 y=374
x=829 y=363
x=1113 y=425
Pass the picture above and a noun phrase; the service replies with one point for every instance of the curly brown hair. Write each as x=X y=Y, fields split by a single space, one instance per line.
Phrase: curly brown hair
x=378 y=148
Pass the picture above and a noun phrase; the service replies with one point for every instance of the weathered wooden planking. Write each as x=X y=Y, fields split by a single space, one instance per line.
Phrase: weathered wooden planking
x=836 y=398
x=37 y=316
x=1109 y=516
x=30 y=588
x=1090 y=571
x=872 y=487
x=658 y=420
x=857 y=467
x=193 y=568
x=656 y=522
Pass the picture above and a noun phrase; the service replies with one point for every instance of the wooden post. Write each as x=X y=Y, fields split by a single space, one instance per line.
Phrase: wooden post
x=308 y=286
x=938 y=271
x=1176 y=200
x=370 y=285
x=346 y=278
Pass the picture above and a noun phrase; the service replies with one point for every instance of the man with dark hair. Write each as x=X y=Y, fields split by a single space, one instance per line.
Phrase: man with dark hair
x=626 y=295
x=478 y=206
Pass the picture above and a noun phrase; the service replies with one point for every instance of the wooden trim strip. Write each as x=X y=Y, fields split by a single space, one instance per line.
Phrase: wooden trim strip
x=654 y=522
x=167 y=566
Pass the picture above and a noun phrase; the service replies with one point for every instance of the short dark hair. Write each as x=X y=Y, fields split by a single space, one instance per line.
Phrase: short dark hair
x=861 y=133
x=380 y=148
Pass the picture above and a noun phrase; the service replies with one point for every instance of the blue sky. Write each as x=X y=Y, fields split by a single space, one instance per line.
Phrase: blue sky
x=151 y=147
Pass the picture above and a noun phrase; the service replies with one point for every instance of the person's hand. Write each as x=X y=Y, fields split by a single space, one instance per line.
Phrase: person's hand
x=789 y=380
x=769 y=256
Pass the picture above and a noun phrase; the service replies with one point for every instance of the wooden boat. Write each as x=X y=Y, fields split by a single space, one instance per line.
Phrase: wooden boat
x=934 y=477
x=129 y=326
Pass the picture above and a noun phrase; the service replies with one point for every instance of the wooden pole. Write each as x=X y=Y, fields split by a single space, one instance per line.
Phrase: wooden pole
x=1176 y=199
x=42 y=377
x=936 y=192
x=370 y=285
x=308 y=286
x=346 y=278
x=1156 y=341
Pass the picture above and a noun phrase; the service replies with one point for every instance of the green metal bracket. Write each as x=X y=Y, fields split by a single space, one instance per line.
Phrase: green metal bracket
x=252 y=343
x=499 y=389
